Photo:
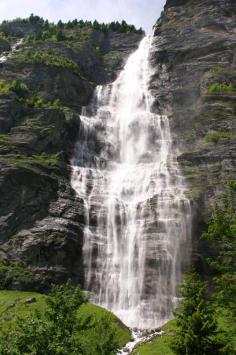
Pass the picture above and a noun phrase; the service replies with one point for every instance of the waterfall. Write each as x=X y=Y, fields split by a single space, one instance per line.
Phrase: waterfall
x=137 y=214
x=5 y=55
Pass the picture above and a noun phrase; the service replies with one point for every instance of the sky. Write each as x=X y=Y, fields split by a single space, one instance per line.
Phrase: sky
x=141 y=13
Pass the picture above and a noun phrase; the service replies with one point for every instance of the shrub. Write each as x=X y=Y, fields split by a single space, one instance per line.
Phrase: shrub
x=24 y=96
x=19 y=88
x=59 y=331
x=218 y=88
x=49 y=59
x=216 y=70
x=15 y=271
x=51 y=334
x=4 y=37
x=216 y=136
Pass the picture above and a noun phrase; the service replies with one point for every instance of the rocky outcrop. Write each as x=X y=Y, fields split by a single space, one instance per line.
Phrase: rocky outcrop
x=40 y=216
x=4 y=46
x=194 y=57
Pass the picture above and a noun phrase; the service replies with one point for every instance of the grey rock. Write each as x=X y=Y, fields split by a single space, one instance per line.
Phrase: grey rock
x=191 y=39
x=30 y=300
x=41 y=218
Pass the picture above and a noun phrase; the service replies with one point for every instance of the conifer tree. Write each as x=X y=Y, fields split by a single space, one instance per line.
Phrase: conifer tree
x=196 y=327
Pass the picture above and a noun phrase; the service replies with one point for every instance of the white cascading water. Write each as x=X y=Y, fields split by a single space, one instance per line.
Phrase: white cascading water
x=15 y=47
x=137 y=214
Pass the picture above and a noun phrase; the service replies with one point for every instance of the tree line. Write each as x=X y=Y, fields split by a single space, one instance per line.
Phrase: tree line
x=54 y=28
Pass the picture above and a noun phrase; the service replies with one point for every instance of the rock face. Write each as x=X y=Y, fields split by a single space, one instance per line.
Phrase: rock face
x=194 y=83
x=194 y=57
x=4 y=45
x=40 y=216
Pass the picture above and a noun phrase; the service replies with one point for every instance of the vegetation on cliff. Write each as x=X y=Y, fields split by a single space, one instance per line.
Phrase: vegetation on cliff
x=43 y=86
x=43 y=29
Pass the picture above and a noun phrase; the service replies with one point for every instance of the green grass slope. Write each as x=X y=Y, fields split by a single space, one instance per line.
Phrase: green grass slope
x=16 y=303
x=160 y=345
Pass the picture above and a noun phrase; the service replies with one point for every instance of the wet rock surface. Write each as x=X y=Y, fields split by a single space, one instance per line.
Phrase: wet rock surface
x=194 y=52
x=41 y=219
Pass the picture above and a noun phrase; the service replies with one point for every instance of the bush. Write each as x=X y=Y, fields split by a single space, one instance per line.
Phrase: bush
x=218 y=88
x=24 y=96
x=4 y=37
x=216 y=70
x=58 y=330
x=53 y=333
x=49 y=59
x=19 y=88
x=15 y=271
x=216 y=136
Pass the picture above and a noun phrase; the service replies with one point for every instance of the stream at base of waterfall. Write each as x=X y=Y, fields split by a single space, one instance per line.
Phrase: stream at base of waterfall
x=137 y=212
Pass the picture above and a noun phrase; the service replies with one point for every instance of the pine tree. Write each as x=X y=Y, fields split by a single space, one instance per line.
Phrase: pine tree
x=196 y=327
x=222 y=232
x=221 y=235
x=60 y=36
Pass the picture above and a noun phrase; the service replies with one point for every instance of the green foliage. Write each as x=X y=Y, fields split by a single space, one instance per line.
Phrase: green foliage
x=45 y=30
x=4 y=87
x=216 y=70
x=24 y=96
x=42 y=160
x=14 y=304
x=222 y=235
x=221 y=88
x=62 y=323
x=216 y=136
x=49 y=59
x=39 y=102
x=196 y=332
x=4 y=37
x=98 y=50
x=222 y=231
x=19 y=88
x=94 y=317
x=15 y=271
x=60 y=36
x=160 y=345
x=54 y=333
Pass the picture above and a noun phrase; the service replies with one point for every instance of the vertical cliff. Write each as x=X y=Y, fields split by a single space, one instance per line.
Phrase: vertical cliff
x=43 y=86
x=194 y=83
x=194 y=59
